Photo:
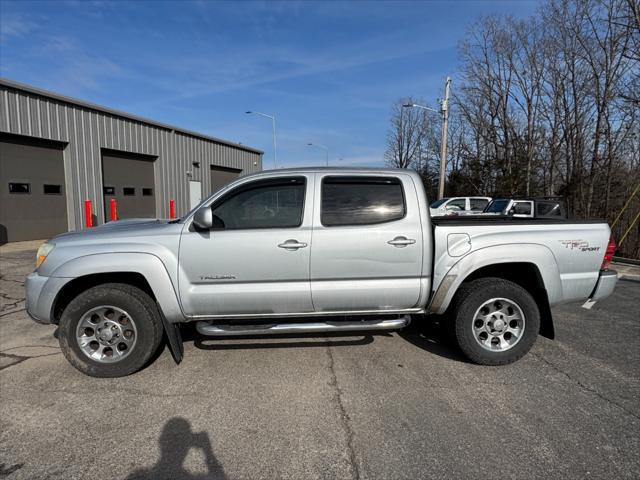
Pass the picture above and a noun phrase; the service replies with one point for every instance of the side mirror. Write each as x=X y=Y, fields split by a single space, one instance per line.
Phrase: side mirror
x=203 y=218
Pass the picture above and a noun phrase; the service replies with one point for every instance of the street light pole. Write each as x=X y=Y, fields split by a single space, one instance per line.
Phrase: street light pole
x=326 y=151
x=444 y=110
x=273 y=122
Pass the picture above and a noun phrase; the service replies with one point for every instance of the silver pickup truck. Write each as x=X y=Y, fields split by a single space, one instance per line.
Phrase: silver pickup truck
x=313 y=250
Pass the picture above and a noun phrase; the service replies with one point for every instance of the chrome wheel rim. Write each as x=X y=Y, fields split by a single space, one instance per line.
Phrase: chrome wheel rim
x=498 y=324
x=106 y=334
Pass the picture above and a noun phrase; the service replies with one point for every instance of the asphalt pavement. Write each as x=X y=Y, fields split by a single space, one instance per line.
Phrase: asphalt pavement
x=401 y=405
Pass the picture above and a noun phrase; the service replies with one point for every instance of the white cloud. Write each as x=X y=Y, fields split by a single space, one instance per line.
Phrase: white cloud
x=12 y=25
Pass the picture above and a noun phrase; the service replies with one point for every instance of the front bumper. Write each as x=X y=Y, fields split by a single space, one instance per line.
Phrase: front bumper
x=606 y=283
x=41 y=292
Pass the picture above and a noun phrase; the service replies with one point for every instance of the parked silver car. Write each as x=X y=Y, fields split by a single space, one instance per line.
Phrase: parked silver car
x=346 y=250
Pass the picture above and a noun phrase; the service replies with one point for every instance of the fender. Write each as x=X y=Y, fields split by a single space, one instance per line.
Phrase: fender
x=146 y=264
x=454 y=274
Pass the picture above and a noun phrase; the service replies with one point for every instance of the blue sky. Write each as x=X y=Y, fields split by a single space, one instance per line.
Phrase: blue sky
x=330 y=71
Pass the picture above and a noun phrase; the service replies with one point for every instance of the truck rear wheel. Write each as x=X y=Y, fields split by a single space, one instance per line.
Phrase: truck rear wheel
x=496 y=322
x=110 y=330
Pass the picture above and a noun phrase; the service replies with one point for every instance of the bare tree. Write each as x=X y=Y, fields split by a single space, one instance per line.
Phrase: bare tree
x=551 y=106
x=406 y=138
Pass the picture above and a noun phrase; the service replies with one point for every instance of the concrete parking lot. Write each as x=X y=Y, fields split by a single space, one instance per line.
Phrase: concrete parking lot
x=391 y=406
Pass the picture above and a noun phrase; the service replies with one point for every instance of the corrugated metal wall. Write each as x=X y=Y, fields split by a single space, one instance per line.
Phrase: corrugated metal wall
x=86 y=131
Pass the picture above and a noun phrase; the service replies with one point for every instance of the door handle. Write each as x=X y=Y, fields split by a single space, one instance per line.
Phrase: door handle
x=401 y=242
x=292 y=244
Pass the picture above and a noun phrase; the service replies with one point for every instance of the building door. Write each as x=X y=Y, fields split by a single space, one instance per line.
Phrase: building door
x=129 y=179
x=33 y=201
x=195 y=193
x=221 y=176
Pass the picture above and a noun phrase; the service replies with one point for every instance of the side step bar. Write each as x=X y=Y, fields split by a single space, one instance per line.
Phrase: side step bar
x=219 y=330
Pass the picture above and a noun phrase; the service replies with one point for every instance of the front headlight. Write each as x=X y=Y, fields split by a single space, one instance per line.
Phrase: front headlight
x=43 y=251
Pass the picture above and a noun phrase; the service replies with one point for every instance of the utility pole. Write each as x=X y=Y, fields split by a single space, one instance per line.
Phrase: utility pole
x=443 y=146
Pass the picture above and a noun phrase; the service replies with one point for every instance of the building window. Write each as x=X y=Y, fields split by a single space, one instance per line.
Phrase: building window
x=109 y=190
x=15 y=187
x=147 y=192
x=361 y=201
x=128 y=191
x=49 y=189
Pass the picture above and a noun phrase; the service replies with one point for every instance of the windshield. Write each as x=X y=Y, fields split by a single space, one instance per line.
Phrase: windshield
x=496 y=206
x=437 y=203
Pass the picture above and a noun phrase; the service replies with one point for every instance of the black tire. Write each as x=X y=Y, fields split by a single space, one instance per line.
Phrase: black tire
x=131 y=299
x=470 y=297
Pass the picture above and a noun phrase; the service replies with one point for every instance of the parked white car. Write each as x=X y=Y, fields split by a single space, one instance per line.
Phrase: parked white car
x=458 y=205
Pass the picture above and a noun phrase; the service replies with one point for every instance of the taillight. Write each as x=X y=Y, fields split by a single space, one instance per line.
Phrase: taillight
x=608 y=254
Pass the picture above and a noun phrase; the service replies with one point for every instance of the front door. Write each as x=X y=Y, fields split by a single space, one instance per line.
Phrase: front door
x=367 y=243
x=255 y=259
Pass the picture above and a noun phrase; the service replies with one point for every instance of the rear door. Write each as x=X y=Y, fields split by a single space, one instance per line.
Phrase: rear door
x=255 y=260
x=367 y=243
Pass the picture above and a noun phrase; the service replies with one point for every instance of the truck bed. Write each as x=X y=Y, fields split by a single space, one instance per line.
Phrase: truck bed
x=566 y=253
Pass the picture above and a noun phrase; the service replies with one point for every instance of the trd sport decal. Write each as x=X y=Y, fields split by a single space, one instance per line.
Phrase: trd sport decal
x=581 y=245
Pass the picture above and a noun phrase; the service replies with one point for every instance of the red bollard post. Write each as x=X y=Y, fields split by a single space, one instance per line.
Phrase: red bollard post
x=113 y=207
x=172 y=209
x=88 y=216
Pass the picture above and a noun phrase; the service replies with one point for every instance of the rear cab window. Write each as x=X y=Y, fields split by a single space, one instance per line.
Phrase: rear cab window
x=361 y=200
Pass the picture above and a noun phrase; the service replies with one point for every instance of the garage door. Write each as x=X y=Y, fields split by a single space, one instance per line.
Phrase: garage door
x=32 y=192
x=221 y=176
x=129 y=178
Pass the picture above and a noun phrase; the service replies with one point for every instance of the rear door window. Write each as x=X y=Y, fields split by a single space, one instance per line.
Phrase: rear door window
x=478 y=204
x=361 y=200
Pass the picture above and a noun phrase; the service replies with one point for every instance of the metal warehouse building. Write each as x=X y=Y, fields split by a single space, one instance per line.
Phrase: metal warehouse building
x=57 y=152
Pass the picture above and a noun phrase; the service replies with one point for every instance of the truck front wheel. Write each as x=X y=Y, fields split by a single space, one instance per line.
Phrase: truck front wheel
x=110 y=330
x=496 y=321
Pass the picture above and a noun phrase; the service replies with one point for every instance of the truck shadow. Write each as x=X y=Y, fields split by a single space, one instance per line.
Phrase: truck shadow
x=176 y=440
x=433 y=337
